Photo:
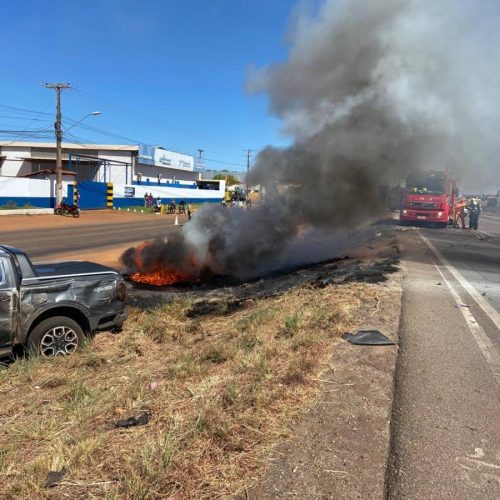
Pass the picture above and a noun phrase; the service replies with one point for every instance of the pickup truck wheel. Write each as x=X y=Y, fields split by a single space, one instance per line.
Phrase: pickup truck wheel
x=57 y=336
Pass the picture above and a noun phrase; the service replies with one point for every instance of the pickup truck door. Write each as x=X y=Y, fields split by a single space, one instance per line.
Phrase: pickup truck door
x=9 y=303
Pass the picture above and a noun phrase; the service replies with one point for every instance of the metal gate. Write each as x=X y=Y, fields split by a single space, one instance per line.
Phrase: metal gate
x=93 y=195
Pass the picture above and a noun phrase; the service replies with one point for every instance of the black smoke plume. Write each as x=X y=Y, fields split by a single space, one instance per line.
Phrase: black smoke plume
x=371 y=90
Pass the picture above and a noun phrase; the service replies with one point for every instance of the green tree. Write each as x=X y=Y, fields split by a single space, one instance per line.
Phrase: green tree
x=231 y=179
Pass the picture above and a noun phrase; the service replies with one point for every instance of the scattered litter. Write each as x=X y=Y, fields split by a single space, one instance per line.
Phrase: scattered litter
x=483 y=294
x=54 y=477
x=378 y=235
x=367 y=337
x=140 y=419
x=439 y=284
x=461 y=305
x=404 y=229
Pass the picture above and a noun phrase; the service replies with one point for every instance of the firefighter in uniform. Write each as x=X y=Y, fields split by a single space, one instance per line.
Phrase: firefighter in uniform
x=474 y=212
x=459 y=213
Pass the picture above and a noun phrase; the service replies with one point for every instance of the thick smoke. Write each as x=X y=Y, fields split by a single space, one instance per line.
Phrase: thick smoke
x=371 y=90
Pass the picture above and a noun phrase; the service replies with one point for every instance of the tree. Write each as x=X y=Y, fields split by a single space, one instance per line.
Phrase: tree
x=231 y=179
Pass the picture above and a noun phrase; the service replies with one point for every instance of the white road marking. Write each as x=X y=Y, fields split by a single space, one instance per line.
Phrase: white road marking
x=481 y=301
x=488 y=234
x=486 y=346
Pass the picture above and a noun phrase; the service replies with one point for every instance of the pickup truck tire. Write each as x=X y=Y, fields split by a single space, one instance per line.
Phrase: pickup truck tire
x=57 y=336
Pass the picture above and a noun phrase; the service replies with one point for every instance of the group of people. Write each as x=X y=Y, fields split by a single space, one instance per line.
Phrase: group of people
x=239 y=203
x=149 y=201
x=463 y=208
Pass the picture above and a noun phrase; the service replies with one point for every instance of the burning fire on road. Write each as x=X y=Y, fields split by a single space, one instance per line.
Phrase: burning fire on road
x=163 y=277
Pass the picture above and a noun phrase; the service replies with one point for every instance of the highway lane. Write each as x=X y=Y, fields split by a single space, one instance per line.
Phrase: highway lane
x=445 y=428
x=476 y=255
x=490 y=224
x=79 y=235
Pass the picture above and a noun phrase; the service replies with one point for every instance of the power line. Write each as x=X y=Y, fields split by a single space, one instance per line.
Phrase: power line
x=24 y=110
x=37 y=113
x=18 y=77
x=107 y=133
x=125 y=110
x=9 y=117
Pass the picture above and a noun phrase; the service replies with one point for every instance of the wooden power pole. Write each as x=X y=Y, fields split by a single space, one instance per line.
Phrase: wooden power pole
x=58 y=87
x=248 y=152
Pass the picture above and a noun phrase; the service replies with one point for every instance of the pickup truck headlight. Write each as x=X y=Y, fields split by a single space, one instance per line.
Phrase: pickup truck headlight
x=405 y=212
x=121 y=291
x=440 y=214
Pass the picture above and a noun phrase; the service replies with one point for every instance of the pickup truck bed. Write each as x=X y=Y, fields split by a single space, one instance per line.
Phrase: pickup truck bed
x=69 y=268
x=49 y=307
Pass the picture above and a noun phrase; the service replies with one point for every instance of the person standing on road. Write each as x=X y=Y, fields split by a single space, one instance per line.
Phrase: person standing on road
x=459 y=213
x=189 y=211
x=474 y=212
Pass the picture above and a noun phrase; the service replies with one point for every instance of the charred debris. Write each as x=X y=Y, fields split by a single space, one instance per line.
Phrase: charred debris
x=220 y=295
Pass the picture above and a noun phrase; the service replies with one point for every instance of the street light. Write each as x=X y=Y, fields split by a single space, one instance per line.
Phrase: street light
x=94 y=113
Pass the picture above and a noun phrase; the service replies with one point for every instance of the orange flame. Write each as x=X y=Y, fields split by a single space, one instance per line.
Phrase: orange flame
x=160 y=278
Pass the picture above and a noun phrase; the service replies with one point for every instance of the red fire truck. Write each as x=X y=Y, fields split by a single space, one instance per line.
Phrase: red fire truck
x=429 y=197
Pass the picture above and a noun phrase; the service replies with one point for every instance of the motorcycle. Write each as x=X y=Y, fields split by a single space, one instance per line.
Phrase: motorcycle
x=66 y=209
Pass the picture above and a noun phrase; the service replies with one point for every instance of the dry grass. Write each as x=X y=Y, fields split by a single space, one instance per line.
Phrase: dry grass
x=222 y=390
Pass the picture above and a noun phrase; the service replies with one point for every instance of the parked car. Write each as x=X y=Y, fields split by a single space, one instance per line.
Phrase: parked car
x=50 y=308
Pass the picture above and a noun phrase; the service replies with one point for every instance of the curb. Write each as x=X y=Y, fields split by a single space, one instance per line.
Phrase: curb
x=28 y=211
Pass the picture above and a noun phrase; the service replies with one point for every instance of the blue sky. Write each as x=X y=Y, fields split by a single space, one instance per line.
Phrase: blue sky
x=161 y=72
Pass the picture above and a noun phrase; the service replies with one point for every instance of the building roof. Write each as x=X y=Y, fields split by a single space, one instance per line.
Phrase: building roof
x=48 y=171
x=70 y=145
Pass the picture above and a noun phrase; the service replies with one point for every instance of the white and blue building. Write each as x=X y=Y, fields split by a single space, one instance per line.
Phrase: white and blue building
x=27 y=174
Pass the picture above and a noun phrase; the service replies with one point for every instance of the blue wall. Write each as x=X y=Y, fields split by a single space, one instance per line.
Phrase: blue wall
x=20 y=201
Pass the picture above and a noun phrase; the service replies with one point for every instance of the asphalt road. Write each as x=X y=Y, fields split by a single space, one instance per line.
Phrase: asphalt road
x=446 y=415
x=102 y=231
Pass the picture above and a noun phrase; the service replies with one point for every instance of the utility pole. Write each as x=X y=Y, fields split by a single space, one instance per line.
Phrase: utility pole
x=249 y=153
x=58 y=87
x=200 y=152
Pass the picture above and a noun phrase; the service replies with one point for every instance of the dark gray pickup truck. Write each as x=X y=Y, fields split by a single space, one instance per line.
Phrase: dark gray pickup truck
x=50 y=308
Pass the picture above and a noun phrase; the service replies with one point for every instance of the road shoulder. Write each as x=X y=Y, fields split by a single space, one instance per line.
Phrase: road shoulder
x=339 y=447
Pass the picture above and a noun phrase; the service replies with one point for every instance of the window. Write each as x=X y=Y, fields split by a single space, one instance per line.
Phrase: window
x=426 y=184
x=27 y=270
x=2 y=274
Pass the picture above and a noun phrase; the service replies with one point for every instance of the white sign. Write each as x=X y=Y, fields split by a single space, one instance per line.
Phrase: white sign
x=164 y=158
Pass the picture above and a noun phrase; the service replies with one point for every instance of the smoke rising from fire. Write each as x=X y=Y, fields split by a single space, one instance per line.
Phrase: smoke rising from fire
x=371 y=90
